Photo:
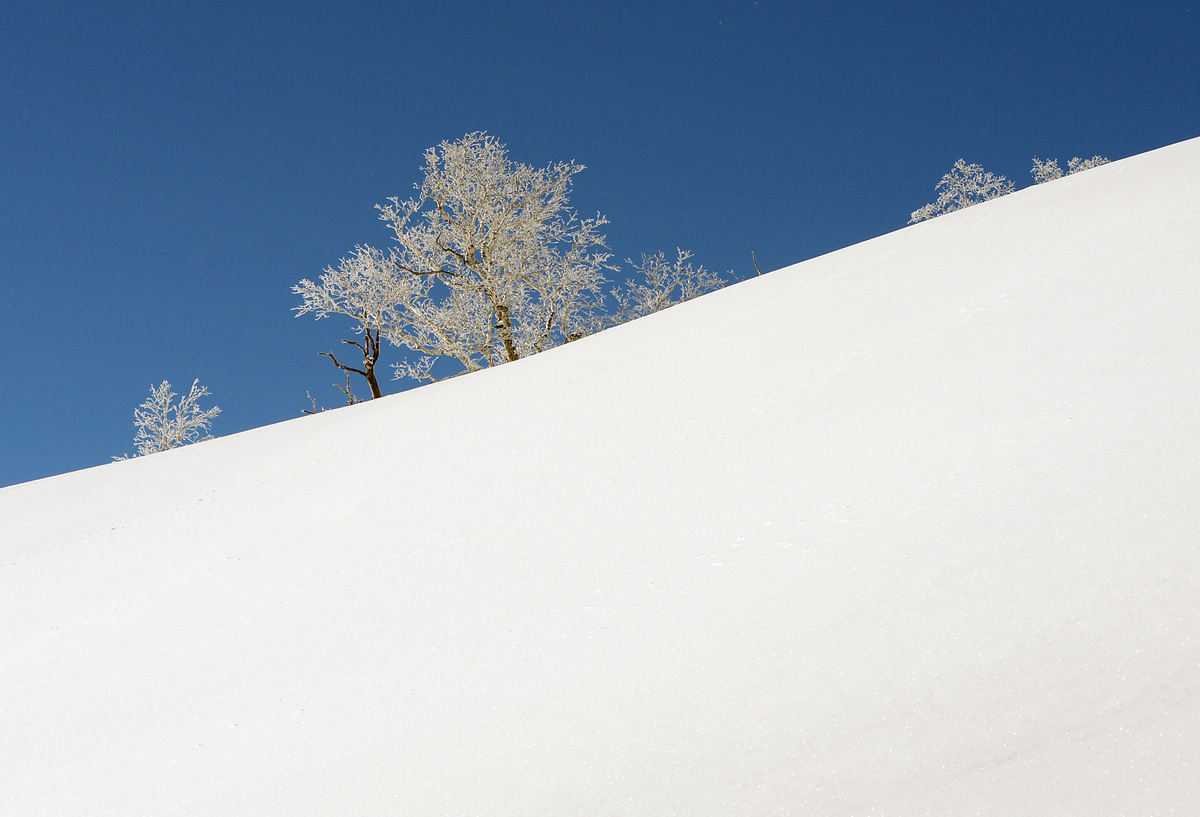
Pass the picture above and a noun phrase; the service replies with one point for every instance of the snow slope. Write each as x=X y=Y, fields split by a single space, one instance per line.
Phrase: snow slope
x=908 y=529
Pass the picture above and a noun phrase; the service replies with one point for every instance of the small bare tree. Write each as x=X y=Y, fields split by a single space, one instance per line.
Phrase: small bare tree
x=662 y=284
x=162 y=423
x=1048 y=170
x=367 y=288
x=1045 y=171
x=965 y=185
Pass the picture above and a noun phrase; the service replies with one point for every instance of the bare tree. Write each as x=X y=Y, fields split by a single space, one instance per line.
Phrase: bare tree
x=661 y=284
x=365 y=287
x=965 y=185
x=499 y=266
x=1048 y=170
x=489 y=264
x=162 y=423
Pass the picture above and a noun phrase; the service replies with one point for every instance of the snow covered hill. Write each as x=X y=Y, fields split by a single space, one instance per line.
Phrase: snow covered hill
x=909 y=529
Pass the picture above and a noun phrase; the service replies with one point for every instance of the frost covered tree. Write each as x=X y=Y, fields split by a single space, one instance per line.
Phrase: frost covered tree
x=660 y=284
x=1078 y=165
x=965 y=185
x=162 y=423
x=365 y=287
x=1048 y=170
x=489 y=264
x=1045 y=171
x=495 y=264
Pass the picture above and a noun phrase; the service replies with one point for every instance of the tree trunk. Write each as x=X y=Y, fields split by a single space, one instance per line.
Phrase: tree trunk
x=504 y=324
x=370 y=358
x=371 y=381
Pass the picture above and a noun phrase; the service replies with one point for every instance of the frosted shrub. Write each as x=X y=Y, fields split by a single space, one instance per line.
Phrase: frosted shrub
x=965 y=185
x=1045 y=171
x=367 y=288
x=661 y=284
x=1048 y=170
x=162 y=423
x=1077 y=165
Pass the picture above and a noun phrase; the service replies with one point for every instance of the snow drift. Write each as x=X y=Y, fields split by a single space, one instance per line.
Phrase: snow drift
x=911 y=528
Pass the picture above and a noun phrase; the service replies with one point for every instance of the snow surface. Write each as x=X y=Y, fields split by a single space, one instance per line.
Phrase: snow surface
x=909 y=529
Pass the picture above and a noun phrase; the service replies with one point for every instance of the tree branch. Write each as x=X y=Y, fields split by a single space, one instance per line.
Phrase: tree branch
x=341 y=365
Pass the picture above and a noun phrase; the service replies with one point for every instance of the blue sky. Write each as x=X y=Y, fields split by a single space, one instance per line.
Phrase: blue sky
x=170 y=171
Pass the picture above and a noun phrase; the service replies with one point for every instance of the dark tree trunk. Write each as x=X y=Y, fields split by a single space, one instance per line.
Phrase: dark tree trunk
x=504 y=324
x=370 y=352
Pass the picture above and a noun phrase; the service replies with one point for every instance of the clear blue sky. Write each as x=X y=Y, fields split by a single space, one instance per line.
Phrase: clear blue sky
x=169 y=171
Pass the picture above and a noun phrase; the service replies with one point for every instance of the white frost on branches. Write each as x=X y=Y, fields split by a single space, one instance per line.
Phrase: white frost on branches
x=965 y=185
x=1045 y=171
x=662 y=284
x=368 y=288
x=365 y=287
x=162 y=423
x=489 y=264
x=1048 y=170
x=496 y=264
x=1078 y=165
